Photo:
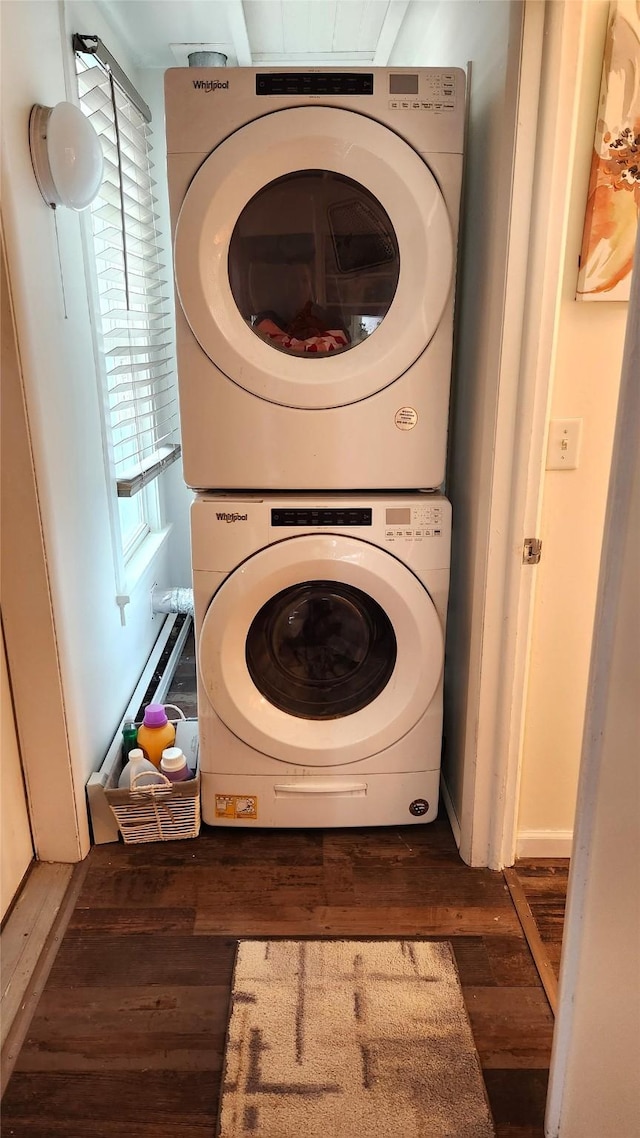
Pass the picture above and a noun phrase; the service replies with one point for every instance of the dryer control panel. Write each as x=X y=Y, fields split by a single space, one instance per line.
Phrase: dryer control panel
x=430 y=89
x=314 y=83
x=436 y=92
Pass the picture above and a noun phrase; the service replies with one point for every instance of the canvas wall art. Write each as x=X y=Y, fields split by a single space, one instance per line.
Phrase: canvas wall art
x=613 y=204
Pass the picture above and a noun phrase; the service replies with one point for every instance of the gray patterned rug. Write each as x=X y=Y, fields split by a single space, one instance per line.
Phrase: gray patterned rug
x=350 y=1039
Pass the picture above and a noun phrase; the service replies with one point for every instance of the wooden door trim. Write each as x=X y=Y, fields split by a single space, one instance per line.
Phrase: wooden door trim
x=58 y=821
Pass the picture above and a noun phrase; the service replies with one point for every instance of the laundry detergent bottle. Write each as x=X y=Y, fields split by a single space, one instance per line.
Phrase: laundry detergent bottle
x=155 y=733
x=138 y=772
x=129 y=737
x=174 y=765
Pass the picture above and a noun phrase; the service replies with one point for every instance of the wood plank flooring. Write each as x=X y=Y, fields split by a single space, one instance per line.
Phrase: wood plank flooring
x=27 y=949
x=544 y=882
x=128 y=1037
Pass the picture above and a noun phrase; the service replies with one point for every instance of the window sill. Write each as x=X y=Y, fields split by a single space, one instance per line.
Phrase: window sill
x=149 y=469
x=142 y=561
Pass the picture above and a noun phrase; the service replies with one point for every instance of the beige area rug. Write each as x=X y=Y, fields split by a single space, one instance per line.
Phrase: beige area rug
x=350 y=1039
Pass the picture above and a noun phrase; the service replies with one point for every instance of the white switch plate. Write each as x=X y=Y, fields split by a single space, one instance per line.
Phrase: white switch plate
x=563 y=445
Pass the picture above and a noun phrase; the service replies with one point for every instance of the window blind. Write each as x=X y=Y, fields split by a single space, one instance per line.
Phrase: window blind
x=134 y=322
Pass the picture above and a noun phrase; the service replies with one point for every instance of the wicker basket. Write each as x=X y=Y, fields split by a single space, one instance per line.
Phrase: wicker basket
x=159 y=813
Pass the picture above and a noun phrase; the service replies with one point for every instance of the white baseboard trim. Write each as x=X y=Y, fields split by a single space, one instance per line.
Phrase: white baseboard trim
x=544 y=843
x=449 y=807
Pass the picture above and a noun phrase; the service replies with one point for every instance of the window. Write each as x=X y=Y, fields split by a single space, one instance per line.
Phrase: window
x=133 y=324
x=136 y=514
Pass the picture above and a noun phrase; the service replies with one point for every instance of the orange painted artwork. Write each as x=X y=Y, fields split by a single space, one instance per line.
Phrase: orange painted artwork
x=613 y=203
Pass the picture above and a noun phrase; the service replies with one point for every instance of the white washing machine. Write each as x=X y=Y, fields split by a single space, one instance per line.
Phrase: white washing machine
x=320 y=624
x=315 y=219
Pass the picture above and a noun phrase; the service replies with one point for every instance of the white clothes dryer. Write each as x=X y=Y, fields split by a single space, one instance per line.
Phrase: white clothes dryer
x=315 y=220
x=320 y=624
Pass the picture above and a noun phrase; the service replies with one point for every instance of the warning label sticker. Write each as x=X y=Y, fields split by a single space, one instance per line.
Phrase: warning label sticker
x=236 y=806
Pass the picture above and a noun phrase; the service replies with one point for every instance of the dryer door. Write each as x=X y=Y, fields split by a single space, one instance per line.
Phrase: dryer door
x=321 y=650
x=313 y=257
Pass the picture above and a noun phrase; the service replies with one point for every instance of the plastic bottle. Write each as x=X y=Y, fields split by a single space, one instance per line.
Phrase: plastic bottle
x=174 y=765
x=129 y=737
x=140 y=769
x=155 y=733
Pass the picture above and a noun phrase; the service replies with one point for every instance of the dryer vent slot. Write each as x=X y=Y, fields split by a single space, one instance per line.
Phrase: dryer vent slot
x=360 y=240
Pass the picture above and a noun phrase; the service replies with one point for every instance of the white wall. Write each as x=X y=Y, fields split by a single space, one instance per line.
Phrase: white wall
x=585 y=385
x=487 y=35
x=100 y=660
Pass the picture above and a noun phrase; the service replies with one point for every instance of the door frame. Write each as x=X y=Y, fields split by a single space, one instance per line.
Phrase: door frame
x=541 y=84
x=598 y=967
x=17 y=842
x=57 y=809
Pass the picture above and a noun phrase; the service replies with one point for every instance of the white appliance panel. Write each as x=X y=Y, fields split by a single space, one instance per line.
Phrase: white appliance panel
x=341 y=801
x=358 y=149
x=315 y=229
x=380 y=563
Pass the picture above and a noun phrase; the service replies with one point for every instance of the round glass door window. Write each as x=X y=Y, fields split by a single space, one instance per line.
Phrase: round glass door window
x=313 y=263
x=321 y=650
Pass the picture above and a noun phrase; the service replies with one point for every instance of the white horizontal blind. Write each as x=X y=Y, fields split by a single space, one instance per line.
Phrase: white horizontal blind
x=134 y=324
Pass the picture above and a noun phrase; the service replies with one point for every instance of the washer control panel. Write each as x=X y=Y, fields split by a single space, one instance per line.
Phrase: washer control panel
x=401 y=523
x=330 y=517
x=413 y=523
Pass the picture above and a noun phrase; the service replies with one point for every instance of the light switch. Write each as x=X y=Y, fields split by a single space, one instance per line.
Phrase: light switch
x=563 y=445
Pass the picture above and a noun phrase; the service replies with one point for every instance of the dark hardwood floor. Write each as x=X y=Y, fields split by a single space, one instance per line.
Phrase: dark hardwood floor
x=544 y=881
x=128 y=1036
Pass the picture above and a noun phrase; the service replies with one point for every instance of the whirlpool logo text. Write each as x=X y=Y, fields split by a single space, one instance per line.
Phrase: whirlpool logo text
x=232 y=517
x=211 y=85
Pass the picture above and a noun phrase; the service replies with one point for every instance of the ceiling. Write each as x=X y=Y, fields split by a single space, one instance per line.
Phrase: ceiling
x=161 y=33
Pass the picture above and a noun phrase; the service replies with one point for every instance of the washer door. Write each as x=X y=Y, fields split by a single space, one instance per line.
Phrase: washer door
x=313 y=257
x=321 y=650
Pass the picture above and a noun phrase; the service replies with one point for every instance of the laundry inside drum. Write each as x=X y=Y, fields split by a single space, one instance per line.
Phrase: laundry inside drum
x=314 y=263
x=321 y=650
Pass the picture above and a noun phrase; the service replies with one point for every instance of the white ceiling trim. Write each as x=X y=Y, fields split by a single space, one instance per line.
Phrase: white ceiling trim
x=342 y=33
x=237 y=25
x=389 y=31
x=313 y=59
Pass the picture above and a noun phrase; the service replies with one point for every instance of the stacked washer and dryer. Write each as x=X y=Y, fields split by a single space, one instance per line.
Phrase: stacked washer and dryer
x=315 y=218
